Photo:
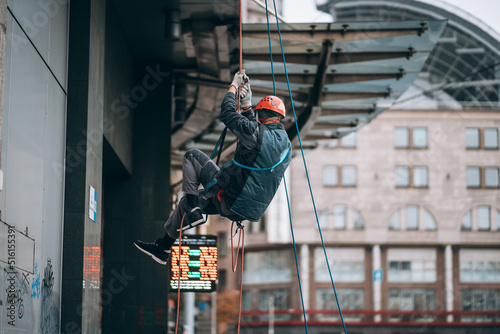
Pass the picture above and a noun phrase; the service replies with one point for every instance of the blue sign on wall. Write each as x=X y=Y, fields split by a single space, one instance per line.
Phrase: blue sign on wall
x=377 y=275
x=93 y=204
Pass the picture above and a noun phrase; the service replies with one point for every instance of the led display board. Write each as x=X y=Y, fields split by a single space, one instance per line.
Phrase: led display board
x=198 y=264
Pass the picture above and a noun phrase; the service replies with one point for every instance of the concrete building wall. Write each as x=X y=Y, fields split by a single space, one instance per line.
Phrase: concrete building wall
x=33 y=146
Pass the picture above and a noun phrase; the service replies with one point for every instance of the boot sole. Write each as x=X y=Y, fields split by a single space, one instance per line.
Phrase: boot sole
x=196 y=223
x=157 y=259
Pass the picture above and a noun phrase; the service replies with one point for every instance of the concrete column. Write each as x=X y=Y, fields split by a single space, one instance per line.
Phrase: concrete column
x=305 y=273
x=377 y=280
x=448 y=280
x=81 y=290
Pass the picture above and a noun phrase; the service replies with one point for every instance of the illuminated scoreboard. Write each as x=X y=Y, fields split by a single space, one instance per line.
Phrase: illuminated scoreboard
x=198 y=263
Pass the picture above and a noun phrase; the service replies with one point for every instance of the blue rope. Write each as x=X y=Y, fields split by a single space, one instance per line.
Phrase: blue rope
x=284 y=181
x=307 y=173
x=270 y=48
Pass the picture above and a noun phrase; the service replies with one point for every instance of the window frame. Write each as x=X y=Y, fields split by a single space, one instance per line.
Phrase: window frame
x=341 y=179
x=413 y=168
x=497 y=176
x=467 y=177
x=478 y=139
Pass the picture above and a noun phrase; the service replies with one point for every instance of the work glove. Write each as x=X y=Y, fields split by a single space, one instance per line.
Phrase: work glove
x=245 y=96
x=239 y=79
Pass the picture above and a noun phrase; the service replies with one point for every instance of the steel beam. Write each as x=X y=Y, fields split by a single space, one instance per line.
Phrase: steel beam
x=330 y=78
x=337 y=35
x=337 y=57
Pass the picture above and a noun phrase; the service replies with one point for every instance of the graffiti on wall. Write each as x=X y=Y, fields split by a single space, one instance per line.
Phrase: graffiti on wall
x=49 y=315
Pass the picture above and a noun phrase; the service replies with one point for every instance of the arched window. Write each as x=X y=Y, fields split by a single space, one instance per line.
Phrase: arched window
x=481 y=218
x=412 y=217
x=341 y=217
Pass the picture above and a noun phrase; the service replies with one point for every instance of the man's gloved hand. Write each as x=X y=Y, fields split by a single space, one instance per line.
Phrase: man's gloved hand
x=239 y=79
x=245 y=96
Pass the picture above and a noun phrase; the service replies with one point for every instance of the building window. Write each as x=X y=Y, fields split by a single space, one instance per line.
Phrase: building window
x=420 y=177
x=483 y=218
x=417 y=265
x=490 y=180
x=476 y=138
x=330 y=176
x=419 y=137
x=343 y=218
x=402 y=176
x=349 y=141
x=412 y=217
x=323 y=219
x=401 y=138
x=467 y=221
x=349 y=176
x=480 y=300
x=349 y=299
x=359 y=223
x=394 y=221
x=479 y=265
x=491 y=177
x=272 y=266
x=473 y=177
x=412 y=300
x=339 y=217
x=472 y=138
x=348 y=264
x=279 y=297
x=491 y=138
x=430 y=222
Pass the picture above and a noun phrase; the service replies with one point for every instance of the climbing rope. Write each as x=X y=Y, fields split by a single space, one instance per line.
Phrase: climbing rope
x=307 y=175
x=241 y=238
x=179 y=279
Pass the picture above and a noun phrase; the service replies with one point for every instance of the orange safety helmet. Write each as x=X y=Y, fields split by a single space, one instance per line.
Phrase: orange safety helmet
x=272 y=103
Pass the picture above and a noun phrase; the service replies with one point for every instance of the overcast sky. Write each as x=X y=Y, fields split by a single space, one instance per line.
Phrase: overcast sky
x=487 y=11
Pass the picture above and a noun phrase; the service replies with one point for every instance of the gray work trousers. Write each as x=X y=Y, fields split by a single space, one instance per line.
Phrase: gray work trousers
x=197 y=168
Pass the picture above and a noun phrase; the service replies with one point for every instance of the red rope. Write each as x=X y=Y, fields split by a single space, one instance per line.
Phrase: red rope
x=241 y=238
x=179 y=279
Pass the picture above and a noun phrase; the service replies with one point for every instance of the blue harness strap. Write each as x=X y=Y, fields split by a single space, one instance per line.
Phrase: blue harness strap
x=283 y=157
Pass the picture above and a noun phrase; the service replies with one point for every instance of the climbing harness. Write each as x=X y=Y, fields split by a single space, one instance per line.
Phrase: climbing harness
x=283 y=157
x=307 y=174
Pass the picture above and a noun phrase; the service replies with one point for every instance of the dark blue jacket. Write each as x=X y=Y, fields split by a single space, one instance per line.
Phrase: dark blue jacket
x=248 y=180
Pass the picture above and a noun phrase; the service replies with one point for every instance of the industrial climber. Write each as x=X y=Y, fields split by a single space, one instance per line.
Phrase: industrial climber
x=243 y=188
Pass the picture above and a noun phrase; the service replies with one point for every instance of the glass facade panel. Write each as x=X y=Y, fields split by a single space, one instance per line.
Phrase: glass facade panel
x=473 y=177
x=480 y=271
x=467 y=221
x=402 y=176
x=412 y=300
x=472 y=138
x=491 y=138
x=401 y=138
x=420 y=177
x=347 y=264
x=349 y=176
x=483 y=217
x=411 y=217
x=349 y=299
x=418 y=271
x=339 y=216
x=330 y=176
x=271 y=266
x=349 y=141
x=419 y=138
x=480 y=300
x=491 y=177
